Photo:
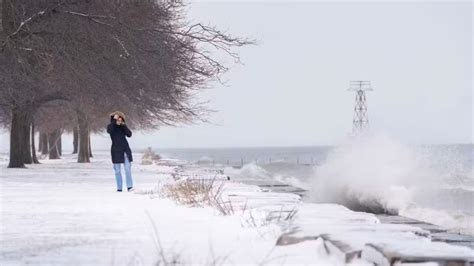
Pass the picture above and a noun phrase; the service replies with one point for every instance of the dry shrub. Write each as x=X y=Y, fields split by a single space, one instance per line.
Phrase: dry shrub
x=194 y=192
x=199 y=193
x=281 y=217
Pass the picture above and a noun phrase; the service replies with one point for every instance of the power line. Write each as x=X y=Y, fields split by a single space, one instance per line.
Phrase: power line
x=360 y=121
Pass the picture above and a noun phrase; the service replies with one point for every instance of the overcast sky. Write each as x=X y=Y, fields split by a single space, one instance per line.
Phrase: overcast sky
x=292 y=89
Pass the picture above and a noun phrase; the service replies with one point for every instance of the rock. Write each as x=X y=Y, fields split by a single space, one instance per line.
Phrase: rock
x=337 y=249
x=441 y=255
x=287 y=239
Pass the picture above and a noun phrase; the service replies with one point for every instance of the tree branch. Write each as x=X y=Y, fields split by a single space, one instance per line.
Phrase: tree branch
x=29 y=20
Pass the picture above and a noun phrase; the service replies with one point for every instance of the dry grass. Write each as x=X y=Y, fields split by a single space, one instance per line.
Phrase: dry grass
x=281 y=217
x=193 y=192
x=173 y=258
x=209 y=192
x=200 y=193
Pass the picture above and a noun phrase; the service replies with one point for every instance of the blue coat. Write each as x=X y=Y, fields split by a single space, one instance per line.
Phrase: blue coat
x=119 y=142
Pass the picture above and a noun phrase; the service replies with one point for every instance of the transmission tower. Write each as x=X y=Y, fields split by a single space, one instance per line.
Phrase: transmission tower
x=360 y=122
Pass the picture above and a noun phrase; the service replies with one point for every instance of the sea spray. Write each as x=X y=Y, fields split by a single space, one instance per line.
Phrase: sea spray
x=248 y=171
x=380 y=175
x=372 y=174
x=280 y=171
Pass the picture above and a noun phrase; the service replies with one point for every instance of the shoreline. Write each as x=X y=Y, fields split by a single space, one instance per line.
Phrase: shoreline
x=438 y=233
x=441 y=233
x=82 y=218
x=438 y=237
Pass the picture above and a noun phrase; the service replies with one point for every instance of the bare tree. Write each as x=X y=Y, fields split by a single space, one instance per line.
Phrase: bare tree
x=96 y=56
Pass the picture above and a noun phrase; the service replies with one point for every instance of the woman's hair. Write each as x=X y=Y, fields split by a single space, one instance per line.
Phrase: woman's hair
x=122 y=115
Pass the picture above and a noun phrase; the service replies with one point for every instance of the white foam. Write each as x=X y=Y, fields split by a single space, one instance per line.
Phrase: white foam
x=378 y=173
x=248 y=171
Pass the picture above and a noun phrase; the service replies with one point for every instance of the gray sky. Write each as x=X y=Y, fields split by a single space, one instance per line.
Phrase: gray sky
x=292 y=89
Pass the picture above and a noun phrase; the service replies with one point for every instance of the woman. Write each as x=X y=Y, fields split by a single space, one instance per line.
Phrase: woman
x=120 y=151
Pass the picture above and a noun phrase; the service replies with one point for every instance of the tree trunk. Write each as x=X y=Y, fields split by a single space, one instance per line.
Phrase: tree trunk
x=53 y=139
x=17 y=138
x=83 y=154
x=40 y=141
x=60 y=143
x=75 y=141
x=90 y=146
x=33 y=147
x=27 y=158
x=44 y=143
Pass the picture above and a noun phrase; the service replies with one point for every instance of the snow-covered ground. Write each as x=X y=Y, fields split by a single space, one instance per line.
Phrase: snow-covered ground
x=64 y=213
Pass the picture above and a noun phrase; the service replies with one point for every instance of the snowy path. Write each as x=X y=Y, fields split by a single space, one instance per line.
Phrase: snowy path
x=63 y=210
x=65 y=213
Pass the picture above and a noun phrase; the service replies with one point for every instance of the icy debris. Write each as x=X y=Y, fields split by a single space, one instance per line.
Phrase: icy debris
x=362 y=236
x=192 y=172
x=149 y=156
x=435 y=253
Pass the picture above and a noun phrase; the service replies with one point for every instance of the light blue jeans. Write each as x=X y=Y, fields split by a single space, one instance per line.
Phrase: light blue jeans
x=128 y=173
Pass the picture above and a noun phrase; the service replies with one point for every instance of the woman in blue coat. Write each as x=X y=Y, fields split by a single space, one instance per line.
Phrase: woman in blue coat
x=120 y=150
